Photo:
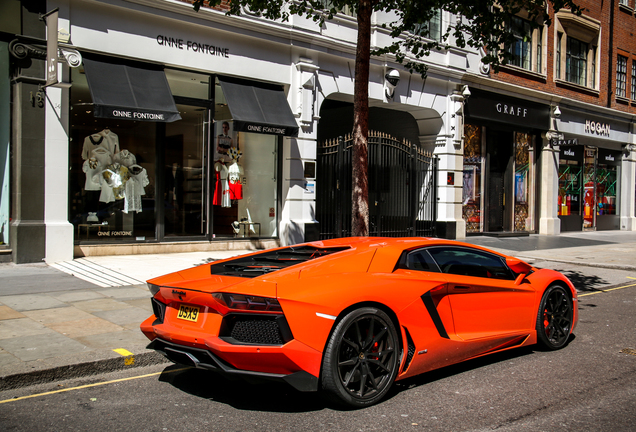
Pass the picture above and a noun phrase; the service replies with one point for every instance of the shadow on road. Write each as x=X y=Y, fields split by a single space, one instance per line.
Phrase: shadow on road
x=279 y=397
x=240 y=394
x=448 y=371
x=585 y=282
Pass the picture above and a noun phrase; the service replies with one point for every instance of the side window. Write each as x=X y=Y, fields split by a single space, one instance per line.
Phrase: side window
x=467 y=262
x=421 y=260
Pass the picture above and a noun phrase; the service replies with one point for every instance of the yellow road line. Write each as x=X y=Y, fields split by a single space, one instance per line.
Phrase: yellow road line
x=629 y=277
x=89 y=385
x=123 y=352
x=607 y=290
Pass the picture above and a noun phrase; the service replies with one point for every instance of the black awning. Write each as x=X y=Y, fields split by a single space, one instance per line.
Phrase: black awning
x=122 y=91
x=258 y=107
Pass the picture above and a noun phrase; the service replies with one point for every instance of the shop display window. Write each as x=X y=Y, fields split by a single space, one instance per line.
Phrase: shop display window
x=112 y=172
x=133 y=181
x=472 y=180
x=195 y=177
x=245 y=171
x=524 y=182
x=606 y=190
x=569 y=187
x=607 y=182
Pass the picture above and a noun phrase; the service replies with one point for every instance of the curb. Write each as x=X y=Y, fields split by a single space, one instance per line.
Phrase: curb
x=79 y=370
x=581 y=263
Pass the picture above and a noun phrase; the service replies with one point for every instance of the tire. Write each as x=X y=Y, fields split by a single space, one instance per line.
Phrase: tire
x=361 y=359
x=554 y=320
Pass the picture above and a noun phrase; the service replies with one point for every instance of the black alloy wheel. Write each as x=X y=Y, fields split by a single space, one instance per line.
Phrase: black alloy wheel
x=361 y=358
x=554 y=319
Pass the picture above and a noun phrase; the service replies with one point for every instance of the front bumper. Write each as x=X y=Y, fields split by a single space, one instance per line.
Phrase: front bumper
x=204 y=359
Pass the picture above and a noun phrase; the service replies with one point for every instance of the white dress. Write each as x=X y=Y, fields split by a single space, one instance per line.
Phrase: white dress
x=225 y=184
x=135 y=189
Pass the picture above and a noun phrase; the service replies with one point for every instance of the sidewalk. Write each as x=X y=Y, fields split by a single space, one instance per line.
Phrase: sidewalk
x=66 y=320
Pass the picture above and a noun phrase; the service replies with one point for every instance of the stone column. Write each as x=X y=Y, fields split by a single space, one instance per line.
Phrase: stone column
x=27 y=219
x=59 y=232
x=549 y=222
x=450 y=172
x=27 y=230
x=298 y=217
x=628 y=188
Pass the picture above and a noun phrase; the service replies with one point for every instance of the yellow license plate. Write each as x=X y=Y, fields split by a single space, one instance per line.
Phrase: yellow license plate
x=188 y=313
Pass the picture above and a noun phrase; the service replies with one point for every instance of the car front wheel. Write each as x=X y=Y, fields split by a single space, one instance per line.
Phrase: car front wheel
x=554 y=319
x=361 y=358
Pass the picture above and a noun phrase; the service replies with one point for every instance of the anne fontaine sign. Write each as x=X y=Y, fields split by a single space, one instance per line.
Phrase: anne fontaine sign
x=193 y=46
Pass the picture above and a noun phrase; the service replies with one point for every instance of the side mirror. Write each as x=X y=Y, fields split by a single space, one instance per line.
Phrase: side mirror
x=520 y=267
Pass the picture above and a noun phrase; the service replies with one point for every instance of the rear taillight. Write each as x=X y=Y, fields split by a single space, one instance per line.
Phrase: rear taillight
x=247 y=303
x=154 y=289
x=159 y=309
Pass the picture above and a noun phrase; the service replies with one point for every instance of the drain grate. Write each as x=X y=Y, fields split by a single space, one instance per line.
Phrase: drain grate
x=629 y=351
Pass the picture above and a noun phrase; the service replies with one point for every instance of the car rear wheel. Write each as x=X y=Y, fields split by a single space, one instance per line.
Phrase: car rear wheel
x=554 y=319
x=361 y=358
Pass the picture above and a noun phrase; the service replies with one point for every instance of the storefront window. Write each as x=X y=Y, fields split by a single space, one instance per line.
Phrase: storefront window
x=174 y=176
x=569 y=183
x=473 y=165
x=112 y=172
x=134 y=180
x=607 y=175
x=245 y=185
x=524 y=182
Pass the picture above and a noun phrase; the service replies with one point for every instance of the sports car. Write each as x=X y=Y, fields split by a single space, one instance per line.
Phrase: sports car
x=350 y=316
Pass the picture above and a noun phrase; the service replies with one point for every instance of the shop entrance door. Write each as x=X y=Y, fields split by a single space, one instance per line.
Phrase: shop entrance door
x=499 y=185
x=185 y=191
x=589 y=189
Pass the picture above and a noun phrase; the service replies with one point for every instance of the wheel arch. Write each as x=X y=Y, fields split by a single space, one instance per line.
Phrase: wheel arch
x=384 y=308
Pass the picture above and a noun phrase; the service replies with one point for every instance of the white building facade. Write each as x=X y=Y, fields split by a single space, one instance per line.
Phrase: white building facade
x=189 y=131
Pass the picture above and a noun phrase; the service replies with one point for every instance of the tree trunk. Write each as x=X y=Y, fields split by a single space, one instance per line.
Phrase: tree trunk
x=360 y=165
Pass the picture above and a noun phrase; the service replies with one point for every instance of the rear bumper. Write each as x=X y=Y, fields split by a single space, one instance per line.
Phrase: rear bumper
x=204 y=359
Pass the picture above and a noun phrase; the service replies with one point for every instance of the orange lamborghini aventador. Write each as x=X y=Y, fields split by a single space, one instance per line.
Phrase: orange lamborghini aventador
x=350 y=316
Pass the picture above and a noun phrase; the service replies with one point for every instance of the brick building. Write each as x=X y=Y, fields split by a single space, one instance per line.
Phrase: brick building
x=549 y=139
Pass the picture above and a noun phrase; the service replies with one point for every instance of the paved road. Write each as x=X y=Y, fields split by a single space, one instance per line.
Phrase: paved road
x=590 y=385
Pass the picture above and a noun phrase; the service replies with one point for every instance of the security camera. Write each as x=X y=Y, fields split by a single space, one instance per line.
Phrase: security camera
x=466 y=92
x=392 y=78
x=557 y=112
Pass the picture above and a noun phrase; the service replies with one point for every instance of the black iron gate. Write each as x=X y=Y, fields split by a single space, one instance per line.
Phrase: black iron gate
x=402 y=188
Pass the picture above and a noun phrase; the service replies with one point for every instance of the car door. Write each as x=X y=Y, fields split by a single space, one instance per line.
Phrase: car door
x=484 y=300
